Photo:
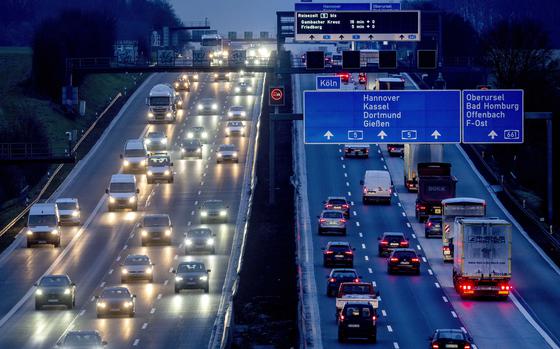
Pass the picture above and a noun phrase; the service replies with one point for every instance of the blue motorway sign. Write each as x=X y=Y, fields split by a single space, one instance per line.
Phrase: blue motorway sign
x=493 y=116
x=403 y=116
x=386 y=6
x=328 y=83
x=332 y=7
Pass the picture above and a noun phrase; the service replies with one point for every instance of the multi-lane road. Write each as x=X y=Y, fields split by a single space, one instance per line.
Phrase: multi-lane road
x=91 y=254
x=412 y=307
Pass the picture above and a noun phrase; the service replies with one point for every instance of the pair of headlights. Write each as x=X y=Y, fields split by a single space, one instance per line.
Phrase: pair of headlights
x=130 y=199
x=209 y=242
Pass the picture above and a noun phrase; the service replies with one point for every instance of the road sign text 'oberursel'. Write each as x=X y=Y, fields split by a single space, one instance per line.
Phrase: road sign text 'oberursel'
x=403 y=116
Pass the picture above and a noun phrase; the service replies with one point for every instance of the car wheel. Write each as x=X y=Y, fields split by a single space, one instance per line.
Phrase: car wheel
x=99 y=316
x=417 y=271
x=29 y=244
x=341 y=338
x=70 y=305
x=57 y=244
x=426 y=235
x=38 y=306
x=170 y=181
x=177 y=289
x=389 y=271
x=207 y=289
x=123 y=280
x=149 y=181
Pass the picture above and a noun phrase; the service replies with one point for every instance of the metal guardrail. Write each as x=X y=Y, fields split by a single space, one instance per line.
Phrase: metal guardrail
x=45 y=187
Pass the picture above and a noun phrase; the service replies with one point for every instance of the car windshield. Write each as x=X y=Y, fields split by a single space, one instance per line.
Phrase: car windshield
x=206 y=101
x=66 y=205
x=357 y=311
x=122 y=187
x=332 y=215
x=337 y=201
x=213 y=204
x=35 y=220
x=155 y=135
x=190 y=267
x=394 y=237
x=236 y=108
x=116 y=293
x=455 y=335
x=344 y=274
x=356 y=289
x=226 y=147
x=135 y=153
x=159 y=101
x=156 y=221
x=159 y=161
x=82 y=339
x=137 y=260
x=339 y=248
x=197 y=129
x=54 y=281
x=404 y=254
x=199 y=233
x=235 y=123
x=192 y=144
x=435 y=219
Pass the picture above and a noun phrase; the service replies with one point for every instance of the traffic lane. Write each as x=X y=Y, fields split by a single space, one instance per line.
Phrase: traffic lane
x=87 y=182
x=509 y=326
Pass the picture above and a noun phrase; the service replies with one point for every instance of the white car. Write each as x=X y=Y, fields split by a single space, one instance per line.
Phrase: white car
x=159 y=169
x=137 y=267
x=207 y=106
x=332 y=221
x=237 y=112
x=235 y=128
x=197 y=132
x=68 y=210
x=243 y=88
x=156 y=142
x=227 y=152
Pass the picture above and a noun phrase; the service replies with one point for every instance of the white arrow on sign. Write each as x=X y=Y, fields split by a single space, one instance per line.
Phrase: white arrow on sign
x=382 y=134
x=492 y=134
x=328 y=134
x=436 y=134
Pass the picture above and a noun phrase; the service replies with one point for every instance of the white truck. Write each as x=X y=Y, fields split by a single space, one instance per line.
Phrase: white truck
x=356 y=292
x=419 y=153
x=161 y=104
x=482 y=257
x=43 y=224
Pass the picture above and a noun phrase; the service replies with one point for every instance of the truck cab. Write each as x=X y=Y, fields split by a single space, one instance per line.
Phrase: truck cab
x=435 y=183
x=161 y=104
x=123 y=192
x=43 y=225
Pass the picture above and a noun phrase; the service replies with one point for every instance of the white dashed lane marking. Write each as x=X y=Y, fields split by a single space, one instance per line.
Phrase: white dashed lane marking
x=445 y=299
x=430 y=272
x=370 y=270
x=437 y=285
x=389 y=328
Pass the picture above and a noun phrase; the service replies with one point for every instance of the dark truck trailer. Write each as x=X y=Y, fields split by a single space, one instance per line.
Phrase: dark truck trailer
x=435 y=183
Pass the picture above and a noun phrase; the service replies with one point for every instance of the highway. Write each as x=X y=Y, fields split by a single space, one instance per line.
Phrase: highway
x=91 y=255
x=412 y=307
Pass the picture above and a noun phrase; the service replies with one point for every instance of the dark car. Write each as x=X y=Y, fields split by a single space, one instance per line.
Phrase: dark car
x=191 y=275
x=55 y=290
x=213 y=211
x=432 y=227
x=338 y=276
x=156 y=228
x=182 y=83
x=191 y=148
x=338 y=203
x=338 y=253
x=390 y=241
x=357 y=320
x=82 y=339
x=395 y=149
x=200 y=240
x=362 y=78
x=116 y=301
x=450 y=338
x=403 y=259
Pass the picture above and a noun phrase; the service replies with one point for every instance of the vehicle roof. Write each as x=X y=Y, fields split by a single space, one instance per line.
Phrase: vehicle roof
x=235 y=123
x=83 y=332
x=134 y=144
x=44 y=208
x=123 y=178
x=436 y=217
x=463 y=199
x=338 y=243
x=404 y=250
x=483 y=220
x=66 y=200
x=212 y=202
x=199 y=229
x=229 y=146
x=196 y=128
x=395 y=233
x=343 y=270
x=336 y=198
x=377 y=174
x=137 y=256
x=55 y=276
x=190 y=262
x=156 y=215
x=161 y=88
x=159 y=156
x=237 y=107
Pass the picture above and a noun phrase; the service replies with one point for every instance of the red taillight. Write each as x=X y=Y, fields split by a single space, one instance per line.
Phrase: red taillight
x=349 y=252
x=322 y=220
x=329 y=252
x=384 y=242
x=342 y=220
x=373 y=318
x=341 y=318
x=356 y=280
x=332 y=280
x=467 y=346
x=435 y=346
x=394 y=259
x=345 y=206
x=415 y=259
x=429 y=224
x=391 y=148
x=404 y=243
x=365 y=190
x=420 y=207
x=445 y=248
x=328 y=206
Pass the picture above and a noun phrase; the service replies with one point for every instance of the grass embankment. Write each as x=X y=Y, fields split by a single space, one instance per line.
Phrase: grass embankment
x=17 y=99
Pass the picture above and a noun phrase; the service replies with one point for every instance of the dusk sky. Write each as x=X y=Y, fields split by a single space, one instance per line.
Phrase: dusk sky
x=239 y=15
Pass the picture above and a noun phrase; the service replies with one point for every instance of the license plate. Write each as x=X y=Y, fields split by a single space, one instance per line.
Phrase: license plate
x=437 y=210
x=52 y=300
x=155 y=238
x=405 y=263
x=446 y=252
x=452 y=346
x=115 y=309
x=338 y=256
x=487 y=288
x=394 y=244
x=354 y=325
x=337 y=207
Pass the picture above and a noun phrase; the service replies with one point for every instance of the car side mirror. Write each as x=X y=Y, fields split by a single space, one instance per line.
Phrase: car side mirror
x=106 y=191
x=361 y=182
x=103 y=342
x=208 y=270
x=133 y=296
x=137 y=191
x=73 y=284
x=96 y=297
x=379 y=238
x=318 y=216
x=353 y=249
x=322 y=248
x=36 y=284
x=173 y=271
x=121 y=156
x=171 y=164
x=147 y=101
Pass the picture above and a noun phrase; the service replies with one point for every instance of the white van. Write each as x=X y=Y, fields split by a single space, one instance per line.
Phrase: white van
x=123 y=192
x=377 y=186
x=134 y=157
x=42 y=225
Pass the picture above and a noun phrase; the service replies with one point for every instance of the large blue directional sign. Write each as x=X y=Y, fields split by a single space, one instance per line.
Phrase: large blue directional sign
x=493 y=116
x=328 y=83
x=403 y=116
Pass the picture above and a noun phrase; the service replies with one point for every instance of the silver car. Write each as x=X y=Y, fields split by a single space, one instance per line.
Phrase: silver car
x=115 y=301
x=227 y=152
x=237 y=112
x=213 y=210
x=200 y=239
x=235 y=128
x=243 y=88
x=197 y=132
x=191 y=275
x=207 y=106
x=155 y=142
x=332 y=221
x=68 y=210
x=137 y=267
x=159 y=169
x=81 y=339
x=156 y=228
